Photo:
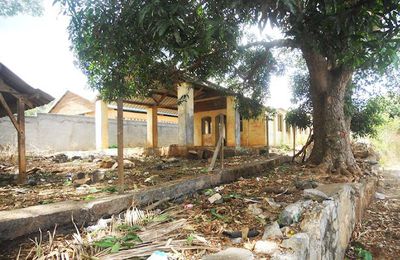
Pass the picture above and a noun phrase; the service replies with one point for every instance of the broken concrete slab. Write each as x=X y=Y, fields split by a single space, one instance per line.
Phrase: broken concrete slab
x=21 y=222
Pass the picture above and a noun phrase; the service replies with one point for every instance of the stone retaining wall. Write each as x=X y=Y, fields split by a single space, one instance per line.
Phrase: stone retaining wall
x=22 y=222
x=327 y=228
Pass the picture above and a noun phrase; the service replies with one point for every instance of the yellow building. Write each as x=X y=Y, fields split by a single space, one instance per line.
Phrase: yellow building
x=200 y=108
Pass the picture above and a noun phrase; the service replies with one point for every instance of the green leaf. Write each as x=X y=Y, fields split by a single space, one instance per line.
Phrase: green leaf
x=131 y=237
x=217 y=215
x=115 y=248
x=106 y=242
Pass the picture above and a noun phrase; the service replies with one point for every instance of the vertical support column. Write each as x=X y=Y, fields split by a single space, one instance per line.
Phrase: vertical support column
x=152 y=131
x=275 y=131
x=101 y=119
x=232 y=123
x=185 y=115
x=120 y=141
x=21 y=142
x=237 y=128
x=284 y=133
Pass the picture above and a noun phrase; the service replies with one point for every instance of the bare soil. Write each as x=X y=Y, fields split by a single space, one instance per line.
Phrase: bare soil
x=51 y=180
x=379 y=232
x=269 y=193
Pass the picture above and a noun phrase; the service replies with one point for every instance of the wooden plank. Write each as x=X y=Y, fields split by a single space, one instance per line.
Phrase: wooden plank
x=221 y=129
x=7 y=89
x=139 y=103
x=120 y=144
x=9 y=113
x=215 y=155
x=210 y=105
x=22 y=179
x=207 y=99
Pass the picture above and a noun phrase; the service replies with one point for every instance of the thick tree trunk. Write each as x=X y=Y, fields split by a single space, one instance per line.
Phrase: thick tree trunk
x=332 y=148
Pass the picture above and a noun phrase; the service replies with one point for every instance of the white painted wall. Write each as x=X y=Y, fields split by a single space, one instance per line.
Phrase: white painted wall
x=54 y=132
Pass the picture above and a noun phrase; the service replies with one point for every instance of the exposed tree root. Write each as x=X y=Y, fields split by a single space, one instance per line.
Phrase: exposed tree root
x=303 y=150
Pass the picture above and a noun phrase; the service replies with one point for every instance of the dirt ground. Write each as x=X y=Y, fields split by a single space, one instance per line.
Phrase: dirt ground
x=63 y=177
x=247 y=205
x=379 y=233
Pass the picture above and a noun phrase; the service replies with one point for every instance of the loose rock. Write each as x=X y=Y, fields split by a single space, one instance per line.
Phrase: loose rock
x=106 y=163
x=214 y=198
x=292 y=213
x=254 y=209
x=98 y=175
x=380 y=196
x=315 y=195
x=60 y=158
x=231 y=253
x=305 y=184
x=266 y=247
x=272 y=231
x=79 y=182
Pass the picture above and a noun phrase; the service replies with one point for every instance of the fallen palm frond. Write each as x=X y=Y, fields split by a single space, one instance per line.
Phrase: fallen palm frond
x=132 y=233
x=147 y=249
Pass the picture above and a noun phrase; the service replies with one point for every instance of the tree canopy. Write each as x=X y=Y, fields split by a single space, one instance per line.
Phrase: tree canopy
x=128 y=48
x=15 y=7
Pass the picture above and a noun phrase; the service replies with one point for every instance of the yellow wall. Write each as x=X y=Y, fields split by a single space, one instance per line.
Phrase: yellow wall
x=253 y=132
x=197 y=125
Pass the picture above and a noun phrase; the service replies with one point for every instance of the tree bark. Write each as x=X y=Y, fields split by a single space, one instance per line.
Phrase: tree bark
x=332 y=147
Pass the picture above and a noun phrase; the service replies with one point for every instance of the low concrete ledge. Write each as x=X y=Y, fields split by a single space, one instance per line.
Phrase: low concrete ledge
x=326 y=229
x=21 y=222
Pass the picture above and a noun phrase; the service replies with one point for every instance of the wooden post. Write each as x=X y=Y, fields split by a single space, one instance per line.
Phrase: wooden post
x=152 y=128
x=221 y=134
x=120 y=142
x=267 y=130
x=294 y=141
x=22 y=179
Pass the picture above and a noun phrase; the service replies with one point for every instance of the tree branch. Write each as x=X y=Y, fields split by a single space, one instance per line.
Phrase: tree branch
x=272 y=44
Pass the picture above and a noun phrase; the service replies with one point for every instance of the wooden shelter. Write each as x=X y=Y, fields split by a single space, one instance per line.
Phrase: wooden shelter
x=15 y=97
x=201 y=107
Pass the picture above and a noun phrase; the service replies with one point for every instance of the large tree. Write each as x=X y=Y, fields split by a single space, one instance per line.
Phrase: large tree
x=130 y=47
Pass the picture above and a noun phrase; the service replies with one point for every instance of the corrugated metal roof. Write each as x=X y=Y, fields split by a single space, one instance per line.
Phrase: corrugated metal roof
x=36 y=97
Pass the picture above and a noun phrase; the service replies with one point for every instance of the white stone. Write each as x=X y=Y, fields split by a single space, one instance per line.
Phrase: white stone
x=254 y=209
x=299 y=243
x=266 y=247
x=380 y=196
x=231 y=253
x=214 y=198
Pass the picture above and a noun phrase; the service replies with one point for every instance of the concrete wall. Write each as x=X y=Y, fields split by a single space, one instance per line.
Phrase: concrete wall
x=65 y=132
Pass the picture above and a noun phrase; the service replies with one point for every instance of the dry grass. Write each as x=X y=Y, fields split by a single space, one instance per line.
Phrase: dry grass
x=134 y=233
x=388 y=143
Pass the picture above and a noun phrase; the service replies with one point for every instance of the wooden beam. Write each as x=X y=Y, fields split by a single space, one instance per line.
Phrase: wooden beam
x=162 y=98
x=149 y=104
x=207 y=99
x=9 y=113
x=167 y=93
x=199 y=92
x=7 y=89
x=22 y=179
x=120 y=144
